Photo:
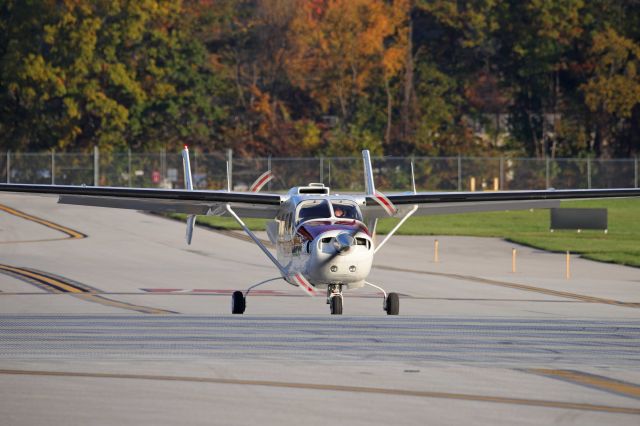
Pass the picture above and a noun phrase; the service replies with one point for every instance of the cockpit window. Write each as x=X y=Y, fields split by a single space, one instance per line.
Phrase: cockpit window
x=343 y=210
x=316 y=209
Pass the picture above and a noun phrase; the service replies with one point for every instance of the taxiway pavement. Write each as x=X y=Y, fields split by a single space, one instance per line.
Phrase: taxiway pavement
x=106 y=316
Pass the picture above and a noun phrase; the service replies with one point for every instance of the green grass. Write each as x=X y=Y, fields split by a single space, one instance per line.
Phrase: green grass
x=620 y=245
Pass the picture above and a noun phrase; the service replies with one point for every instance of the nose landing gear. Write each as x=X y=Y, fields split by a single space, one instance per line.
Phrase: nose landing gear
x=334 y=298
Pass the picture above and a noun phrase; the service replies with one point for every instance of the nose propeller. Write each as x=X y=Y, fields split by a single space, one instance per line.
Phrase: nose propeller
x=343 y=242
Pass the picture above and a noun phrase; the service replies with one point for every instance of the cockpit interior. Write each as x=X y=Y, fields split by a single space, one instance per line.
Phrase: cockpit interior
x=322 y=209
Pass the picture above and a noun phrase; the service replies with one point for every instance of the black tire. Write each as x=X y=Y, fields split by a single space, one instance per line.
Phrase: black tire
x=336 y=305
x=393 y=304
x=238 y=303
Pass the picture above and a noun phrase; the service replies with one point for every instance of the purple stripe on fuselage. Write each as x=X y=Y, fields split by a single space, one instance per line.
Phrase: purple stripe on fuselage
x=311 y=229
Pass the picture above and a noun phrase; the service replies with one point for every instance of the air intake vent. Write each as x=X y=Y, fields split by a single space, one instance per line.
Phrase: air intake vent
x=313 y=188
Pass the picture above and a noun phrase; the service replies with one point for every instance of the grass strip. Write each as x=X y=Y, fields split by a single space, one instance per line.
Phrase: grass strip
x=620 y=245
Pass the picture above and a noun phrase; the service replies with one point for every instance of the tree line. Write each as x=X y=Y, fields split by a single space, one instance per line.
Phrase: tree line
x=309 y=77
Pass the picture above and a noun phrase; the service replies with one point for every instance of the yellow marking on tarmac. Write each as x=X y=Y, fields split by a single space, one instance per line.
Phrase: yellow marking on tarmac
x=524 y=287
x=56 y=284
x=591 y=380
x=90 y=297
x=338 y=388
x=72 y=234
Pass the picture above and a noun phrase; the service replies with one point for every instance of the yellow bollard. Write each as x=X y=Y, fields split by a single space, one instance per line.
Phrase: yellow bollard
x=513 y=260
x=472 y=184
x=435 y=251
x=568 y=272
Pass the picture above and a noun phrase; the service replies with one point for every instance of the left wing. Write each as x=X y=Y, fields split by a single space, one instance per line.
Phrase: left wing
x=430 y=203
x=246 y=204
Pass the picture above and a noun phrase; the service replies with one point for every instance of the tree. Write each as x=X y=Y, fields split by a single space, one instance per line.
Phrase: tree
x=537 y=39
x=612 y=92
x=341 y=48
x=113 y=73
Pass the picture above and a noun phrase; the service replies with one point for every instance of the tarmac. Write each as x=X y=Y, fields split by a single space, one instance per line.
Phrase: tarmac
x=107 y=316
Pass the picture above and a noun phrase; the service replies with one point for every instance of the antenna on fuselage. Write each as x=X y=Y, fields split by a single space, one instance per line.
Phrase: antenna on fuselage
x=413 y=178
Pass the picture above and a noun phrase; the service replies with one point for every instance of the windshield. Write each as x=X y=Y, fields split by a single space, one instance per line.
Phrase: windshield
x=316 y=209
x=343 y=210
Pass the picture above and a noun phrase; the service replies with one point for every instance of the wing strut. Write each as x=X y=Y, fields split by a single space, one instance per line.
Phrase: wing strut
x=393 y=231
x=297 y=279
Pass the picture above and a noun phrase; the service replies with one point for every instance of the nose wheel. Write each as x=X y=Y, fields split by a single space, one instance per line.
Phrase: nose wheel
x=336 y=305
x=334 y=298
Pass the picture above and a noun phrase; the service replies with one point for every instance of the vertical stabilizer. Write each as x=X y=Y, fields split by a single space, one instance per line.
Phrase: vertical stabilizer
x=188 y=181
x=369 y=185
x=188 y=185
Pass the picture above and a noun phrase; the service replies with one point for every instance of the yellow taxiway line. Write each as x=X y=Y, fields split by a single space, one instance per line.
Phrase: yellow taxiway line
x=524 y=287
x=80 y=291
x=590 y=380
x=71 y=234
x=43 y=279
x=338 y=388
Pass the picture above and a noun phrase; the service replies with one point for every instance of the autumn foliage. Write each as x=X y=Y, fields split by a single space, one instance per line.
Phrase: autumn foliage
x=311 y=77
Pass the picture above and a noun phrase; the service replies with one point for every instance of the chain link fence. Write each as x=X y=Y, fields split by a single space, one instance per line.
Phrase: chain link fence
x=342 y=174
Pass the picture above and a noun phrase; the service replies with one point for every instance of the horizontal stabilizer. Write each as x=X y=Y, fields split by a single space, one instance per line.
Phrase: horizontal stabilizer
x=191 y=223
x=188 y=185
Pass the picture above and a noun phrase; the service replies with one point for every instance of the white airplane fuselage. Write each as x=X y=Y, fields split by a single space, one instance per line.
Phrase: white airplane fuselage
x=324 y=238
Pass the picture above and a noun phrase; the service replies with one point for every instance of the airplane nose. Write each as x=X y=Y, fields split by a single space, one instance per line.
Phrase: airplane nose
x=343 y=242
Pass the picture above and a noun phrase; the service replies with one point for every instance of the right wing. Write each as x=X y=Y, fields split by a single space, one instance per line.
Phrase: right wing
x=212 y=203
x=431 y=203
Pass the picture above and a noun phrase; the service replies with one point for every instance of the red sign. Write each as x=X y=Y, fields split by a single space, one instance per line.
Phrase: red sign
x=155 y=176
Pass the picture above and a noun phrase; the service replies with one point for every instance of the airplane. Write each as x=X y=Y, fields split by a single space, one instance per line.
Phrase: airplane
x=324 y=241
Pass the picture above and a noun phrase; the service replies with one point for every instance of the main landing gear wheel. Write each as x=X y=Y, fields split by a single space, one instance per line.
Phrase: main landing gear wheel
x=336 y=305
x=238 y=303
x=393 y=304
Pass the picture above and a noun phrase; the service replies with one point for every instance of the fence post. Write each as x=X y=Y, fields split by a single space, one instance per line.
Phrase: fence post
x=589 y=172
x=229 y=169
x=96 y=166
x=53 y=167
x=129 y=165
x=163 y=165
x=8 y=166
x=636 y=172
x=321 y=169
x=269 y=168
x=459 y=173
x=547 y=171
x=501 y=183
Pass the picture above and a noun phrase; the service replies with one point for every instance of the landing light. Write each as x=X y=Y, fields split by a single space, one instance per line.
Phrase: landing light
x=352 y=268
x=334 y=268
